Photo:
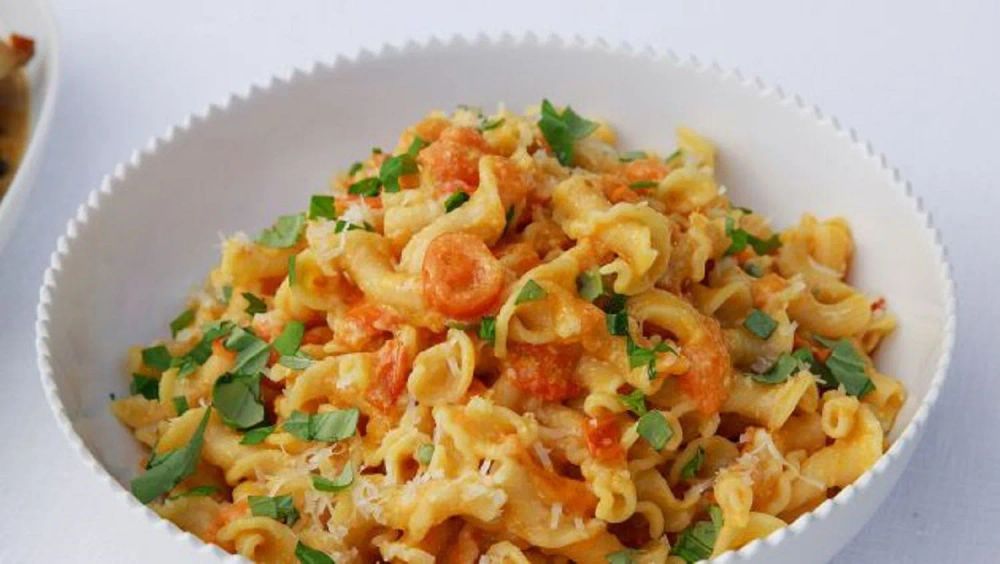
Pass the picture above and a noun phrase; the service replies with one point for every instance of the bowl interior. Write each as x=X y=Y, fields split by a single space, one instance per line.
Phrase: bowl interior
x=131 y=264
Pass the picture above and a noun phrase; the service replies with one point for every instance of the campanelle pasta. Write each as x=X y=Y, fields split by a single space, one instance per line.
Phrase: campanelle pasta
x=508 y=341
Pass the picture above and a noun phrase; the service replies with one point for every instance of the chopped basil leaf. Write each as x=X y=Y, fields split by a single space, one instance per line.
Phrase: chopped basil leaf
x=290 y=338
x=425 y=453
x=779 y=371
x=291 y=270
x=157 y=357
x=458 y=325
x=639 y=356
x=180 y=404
x=617 y=323
x=342 y=225
x=376 y=150
x=847 y=367
x=746 y=211
x=739 y=239
x=237 y=399
x=341 y=482
x=198 y=354
x=256 y=436
x=330 y=426
x=760 y=323
x=563 y=130
x=488 y=329
x=455 y=201
x=354 y=168
x=643 y=184
x=693 y=466
x=182 y=321
x=629 y=156
x=367 y=187
x=227 y=294
x=252 y=353
x=621 y=557
x=615 y=303
x=590 y=284
x=487 y=125
x=200 y=491
x=322 y=206
x=400 y=165
x=508 y=217
x=826 y=379
x=672 y=156
x=284 y=233
x=254 y=304
x=635 y=401
x=309 y=555
x=698 y=541
x=280 y=508
x=171 y=467
x=145 y=386
x=764 y=246
x=530 y=292
x=298 y=361
x=654 y=428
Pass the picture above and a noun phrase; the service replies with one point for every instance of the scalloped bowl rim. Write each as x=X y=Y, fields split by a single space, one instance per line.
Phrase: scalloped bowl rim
x=579 y=43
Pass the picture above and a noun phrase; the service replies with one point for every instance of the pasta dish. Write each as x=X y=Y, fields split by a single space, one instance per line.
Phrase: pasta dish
x=15 y=52
x=506 y=340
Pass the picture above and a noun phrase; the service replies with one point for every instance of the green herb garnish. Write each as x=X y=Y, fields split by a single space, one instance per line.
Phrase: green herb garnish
x=847 y=367
x=367 y=187
x=157 y=357
x=760 y=323
x=400 y=165
x=182 y=321
x=455 y=200
x=200 y=491
x=329 y=426
x=309 y=555
x=562 y=130
x=740 y=238
x=145 y=386
x=322 y=206
x=237 y=399
x=590 y=284
x=257 y=436
x=693 y=466
x=180 y=404
x=697 y=542
x=354 y=168
x=255 y=305
x=487 y=125
x=290 y=338
x=341 y=482
x=643 y=184
x=488 y=329
x=298 y=361
x=621 y=557
x=284 y=233
x=280 y=508
x=629 y=156
x=617 y=323
x=170 y=467
x=654 y=428
x=530 y=292
x=635 y=401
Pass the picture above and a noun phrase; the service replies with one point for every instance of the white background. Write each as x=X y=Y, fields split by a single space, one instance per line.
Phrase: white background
x=917 y=79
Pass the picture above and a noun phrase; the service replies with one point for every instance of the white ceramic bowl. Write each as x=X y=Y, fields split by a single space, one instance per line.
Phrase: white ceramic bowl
x=151 y=231
x=32 y=18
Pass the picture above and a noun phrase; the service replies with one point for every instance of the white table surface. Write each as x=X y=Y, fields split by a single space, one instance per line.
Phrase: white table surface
x=919 y=81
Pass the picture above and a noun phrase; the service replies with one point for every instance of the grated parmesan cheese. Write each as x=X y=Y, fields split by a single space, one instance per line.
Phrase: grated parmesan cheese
x=578 y=523
x=543 y=455
x=555 y=515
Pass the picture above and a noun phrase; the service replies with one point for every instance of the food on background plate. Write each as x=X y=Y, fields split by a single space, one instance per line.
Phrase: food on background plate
x=506 y=339
x=15 y=52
